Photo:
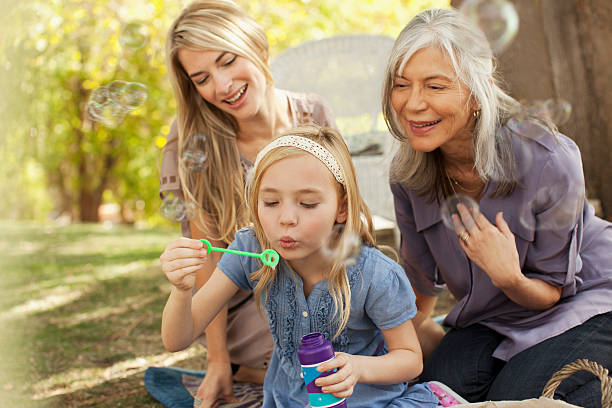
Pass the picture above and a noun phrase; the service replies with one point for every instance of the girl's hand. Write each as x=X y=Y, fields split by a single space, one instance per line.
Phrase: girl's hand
x=180 y=261
x=491 y=247
x=341 y=383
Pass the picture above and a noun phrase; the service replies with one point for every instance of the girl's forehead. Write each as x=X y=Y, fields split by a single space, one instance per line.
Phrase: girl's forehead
x=301 y=167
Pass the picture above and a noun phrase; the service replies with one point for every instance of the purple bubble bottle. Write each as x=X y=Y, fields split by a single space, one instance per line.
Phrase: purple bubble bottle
x=315 y=349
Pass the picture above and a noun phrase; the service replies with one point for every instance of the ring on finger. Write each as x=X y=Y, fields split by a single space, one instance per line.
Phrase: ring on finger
x=464 y=236
x=196 y=402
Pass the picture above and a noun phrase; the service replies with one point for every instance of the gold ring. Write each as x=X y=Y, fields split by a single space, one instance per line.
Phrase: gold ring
x=464 y=236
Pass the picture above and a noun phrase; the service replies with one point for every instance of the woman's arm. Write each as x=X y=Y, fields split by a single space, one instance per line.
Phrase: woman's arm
x=493 y=249
x=429 y=332
x=184 y=316
x=402 y=363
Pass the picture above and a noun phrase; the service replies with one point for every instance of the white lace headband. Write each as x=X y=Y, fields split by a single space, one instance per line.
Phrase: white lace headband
x=307 y=145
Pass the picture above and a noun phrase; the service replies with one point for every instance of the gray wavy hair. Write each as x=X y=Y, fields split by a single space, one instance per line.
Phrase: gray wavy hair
x=473 y=62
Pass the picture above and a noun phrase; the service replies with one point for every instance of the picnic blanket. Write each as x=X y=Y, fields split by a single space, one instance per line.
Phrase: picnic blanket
x=175 y=387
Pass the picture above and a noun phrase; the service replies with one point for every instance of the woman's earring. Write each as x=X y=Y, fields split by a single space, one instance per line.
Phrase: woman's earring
x=476 y=113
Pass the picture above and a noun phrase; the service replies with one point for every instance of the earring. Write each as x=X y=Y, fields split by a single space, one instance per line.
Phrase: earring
x=476 y=113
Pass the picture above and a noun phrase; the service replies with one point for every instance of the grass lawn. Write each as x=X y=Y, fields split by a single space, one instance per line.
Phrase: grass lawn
x=80 y=311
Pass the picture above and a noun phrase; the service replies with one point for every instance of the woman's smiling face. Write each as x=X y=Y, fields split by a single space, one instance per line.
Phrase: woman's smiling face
x=433 y=106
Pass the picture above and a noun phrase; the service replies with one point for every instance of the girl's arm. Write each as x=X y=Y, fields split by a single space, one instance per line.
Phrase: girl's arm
x=216 y=333
x=185 y=316
x=403 y=362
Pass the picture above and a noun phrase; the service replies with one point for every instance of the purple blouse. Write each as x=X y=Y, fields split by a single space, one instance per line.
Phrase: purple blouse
x=558 y=238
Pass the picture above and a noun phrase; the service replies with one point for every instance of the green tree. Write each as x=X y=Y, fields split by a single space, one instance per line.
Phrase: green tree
x=55 y=53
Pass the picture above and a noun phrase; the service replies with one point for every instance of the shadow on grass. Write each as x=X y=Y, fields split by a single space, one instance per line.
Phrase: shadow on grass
x=84 y=320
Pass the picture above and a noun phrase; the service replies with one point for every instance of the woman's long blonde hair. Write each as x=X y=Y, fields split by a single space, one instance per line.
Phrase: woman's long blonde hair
x=218 y=25
x=358 y=222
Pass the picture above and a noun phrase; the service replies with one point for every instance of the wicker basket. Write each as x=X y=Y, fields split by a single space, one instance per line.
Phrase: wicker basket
x=546 y=401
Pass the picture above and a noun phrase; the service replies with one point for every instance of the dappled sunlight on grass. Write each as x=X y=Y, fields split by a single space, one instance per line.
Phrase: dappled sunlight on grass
x=132 y=303
x=57 y=296
x=77 y=379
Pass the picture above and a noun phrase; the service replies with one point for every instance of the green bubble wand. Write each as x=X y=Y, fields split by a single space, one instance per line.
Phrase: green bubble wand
x=269 y=257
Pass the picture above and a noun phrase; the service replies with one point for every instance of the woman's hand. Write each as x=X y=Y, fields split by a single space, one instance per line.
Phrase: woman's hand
x=217 y=385
x=491 y=247
x=180 y=261
x=341 y=383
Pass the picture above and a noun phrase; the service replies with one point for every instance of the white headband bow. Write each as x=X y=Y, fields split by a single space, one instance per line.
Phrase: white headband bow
x=307 y=145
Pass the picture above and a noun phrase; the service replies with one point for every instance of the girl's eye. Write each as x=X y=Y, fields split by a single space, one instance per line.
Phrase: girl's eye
x=270 y=203
x=229 y=61
x=309 y=205
x=202 y=81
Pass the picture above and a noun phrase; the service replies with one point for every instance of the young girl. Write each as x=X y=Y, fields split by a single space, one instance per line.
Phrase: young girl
x=302 y=192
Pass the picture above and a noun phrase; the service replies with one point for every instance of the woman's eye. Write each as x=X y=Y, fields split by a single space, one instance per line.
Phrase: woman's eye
x=436 y=87
x=309 y=205
x=399 y=85
x=270 y=203
x=229 y=61
x=202 y=81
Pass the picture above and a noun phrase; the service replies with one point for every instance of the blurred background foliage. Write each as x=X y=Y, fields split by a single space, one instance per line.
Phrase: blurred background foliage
x=54 y=161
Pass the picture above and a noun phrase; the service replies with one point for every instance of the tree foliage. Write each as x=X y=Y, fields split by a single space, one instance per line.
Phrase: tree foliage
x=55 y=52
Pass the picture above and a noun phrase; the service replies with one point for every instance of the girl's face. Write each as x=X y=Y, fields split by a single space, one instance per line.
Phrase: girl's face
x=298 y=204
x=433 y=106
x=230 y=82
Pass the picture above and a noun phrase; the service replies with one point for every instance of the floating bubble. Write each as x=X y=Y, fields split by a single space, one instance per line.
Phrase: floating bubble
x=134 y=35
x=556 y=110
x=103 y=107
x=553 y=208
x=341 y=247
x=133 y=95
x=175 y=209
x=194 y=157
x=194 y=160
x=497 y=19
x=449 y=208
x=109 y=104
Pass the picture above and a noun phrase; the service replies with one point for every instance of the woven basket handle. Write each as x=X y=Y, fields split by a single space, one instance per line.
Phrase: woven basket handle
x=582 y=364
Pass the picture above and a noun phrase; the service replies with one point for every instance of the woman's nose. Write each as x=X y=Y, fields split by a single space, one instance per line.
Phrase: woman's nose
x=415 y=101
x=223 y=84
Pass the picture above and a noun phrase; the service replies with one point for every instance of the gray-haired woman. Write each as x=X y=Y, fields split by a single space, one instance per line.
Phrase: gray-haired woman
x=532 y=268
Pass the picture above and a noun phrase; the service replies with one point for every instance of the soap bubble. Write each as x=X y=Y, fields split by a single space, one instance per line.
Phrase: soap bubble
x=134 y=35
x=553 y=208
x=133 y=95
x=176 y=209
x=341 y=247
x=449 y=208
x=194 y=160
x=497 y=19
x=109 y=104
x=103 y=107
x=557 y=110
x=194 y=157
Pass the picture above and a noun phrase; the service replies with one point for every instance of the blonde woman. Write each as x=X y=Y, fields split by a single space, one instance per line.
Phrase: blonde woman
x=227 y=110
x=305 y=203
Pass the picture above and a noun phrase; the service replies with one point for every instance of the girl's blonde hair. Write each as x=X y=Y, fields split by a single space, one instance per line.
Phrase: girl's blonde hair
x=218 y=25
x=473 y=63
x=358 y=221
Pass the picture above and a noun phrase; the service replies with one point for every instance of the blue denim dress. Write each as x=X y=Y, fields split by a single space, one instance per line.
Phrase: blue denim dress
x=381 y=298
